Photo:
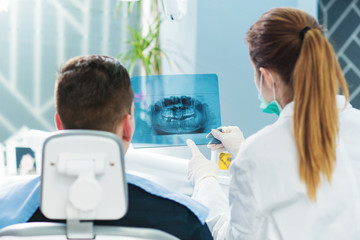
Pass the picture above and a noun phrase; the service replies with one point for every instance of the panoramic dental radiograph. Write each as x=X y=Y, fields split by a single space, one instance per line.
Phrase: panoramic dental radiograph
x=172 y=108
x=179 y=115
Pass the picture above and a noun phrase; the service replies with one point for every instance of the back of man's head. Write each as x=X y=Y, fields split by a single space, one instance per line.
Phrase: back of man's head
x=93 y=92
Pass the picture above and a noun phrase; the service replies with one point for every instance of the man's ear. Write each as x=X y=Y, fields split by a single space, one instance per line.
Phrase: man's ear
x=267 y=77
x=127 y=130
x=58 y=122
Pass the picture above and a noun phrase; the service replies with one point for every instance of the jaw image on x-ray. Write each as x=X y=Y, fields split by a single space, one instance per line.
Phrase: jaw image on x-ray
x=172 y=108
x=179 y=115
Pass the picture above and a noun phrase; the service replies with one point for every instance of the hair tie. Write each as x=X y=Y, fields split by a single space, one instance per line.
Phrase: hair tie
x=302 y=32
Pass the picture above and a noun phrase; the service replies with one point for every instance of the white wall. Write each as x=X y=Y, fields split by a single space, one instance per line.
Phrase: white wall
x=179 y=39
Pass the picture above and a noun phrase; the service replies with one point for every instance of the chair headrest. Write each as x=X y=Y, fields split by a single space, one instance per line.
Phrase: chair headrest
x=83 y=176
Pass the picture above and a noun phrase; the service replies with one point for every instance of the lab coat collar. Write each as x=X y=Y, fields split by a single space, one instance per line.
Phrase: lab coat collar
x=289 y=108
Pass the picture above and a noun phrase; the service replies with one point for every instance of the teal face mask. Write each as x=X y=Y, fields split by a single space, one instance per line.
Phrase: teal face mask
x=273 y=106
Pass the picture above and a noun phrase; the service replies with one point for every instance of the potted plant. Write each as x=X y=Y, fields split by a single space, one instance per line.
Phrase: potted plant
x=144 y=38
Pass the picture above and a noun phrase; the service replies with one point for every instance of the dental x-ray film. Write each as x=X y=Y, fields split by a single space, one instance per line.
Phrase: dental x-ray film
x=172 y=108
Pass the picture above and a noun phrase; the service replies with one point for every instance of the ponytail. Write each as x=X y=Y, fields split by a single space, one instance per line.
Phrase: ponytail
x=316 y=80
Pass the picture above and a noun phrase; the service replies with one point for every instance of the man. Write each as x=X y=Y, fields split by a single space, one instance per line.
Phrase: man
x=94 y=92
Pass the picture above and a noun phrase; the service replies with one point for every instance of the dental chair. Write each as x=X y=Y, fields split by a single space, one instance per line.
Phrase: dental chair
x=83 y=179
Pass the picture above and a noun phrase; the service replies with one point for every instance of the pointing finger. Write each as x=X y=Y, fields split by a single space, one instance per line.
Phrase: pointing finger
x=194 y=149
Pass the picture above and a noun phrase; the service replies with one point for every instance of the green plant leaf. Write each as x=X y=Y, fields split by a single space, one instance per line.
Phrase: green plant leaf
x=144 y=49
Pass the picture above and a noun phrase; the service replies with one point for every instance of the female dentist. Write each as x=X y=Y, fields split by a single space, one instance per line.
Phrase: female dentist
x=298 y=178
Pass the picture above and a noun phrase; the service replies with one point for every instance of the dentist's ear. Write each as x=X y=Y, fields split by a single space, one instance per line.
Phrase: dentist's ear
x=58 y=122
x=267 y=79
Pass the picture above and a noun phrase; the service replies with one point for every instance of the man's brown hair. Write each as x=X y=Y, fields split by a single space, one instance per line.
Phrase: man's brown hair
x=93 y=92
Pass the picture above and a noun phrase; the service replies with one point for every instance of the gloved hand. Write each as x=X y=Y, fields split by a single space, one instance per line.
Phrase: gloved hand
x=231 y=138
x=199 y=167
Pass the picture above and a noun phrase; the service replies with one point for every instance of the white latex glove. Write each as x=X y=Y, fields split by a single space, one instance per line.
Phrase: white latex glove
x=199 y=167
x=231 y=138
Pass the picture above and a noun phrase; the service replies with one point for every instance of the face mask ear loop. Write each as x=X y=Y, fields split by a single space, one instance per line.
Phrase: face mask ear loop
x=261 y=79
x=273 y=85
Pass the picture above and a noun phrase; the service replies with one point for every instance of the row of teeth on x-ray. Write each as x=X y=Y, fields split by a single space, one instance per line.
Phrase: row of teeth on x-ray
x=179 y=115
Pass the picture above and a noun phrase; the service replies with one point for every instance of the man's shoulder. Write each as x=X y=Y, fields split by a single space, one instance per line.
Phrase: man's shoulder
x=149 y=210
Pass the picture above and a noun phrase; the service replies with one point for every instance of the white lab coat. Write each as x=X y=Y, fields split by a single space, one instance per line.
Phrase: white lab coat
x=267 y=198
